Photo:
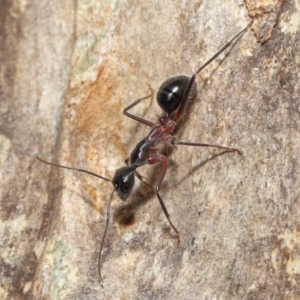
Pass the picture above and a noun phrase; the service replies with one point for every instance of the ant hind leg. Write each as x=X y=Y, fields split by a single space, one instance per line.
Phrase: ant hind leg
x=174 y=142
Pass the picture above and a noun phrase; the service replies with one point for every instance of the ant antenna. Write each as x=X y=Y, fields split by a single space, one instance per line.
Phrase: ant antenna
x=108 y=204
x=69 y=168
x=104 y=234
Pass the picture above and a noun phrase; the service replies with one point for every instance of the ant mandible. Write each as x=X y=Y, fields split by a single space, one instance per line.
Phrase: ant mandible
x=173 y=97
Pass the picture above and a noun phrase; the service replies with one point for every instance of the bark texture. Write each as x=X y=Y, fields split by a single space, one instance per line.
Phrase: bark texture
x=67 y=72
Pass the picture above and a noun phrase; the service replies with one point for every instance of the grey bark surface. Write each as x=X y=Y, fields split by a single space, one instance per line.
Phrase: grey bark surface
x=68 y=70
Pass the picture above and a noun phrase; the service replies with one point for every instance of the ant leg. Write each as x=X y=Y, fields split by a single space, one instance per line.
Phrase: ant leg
x=156 y=157
x=141 y=178
x=182 y=107
x=206 y=145
x=136 y=118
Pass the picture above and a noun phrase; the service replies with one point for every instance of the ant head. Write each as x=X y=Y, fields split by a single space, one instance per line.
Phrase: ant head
x=123 y=182
x=171 y=92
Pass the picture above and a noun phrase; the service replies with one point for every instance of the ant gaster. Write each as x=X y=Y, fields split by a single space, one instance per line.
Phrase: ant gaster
x=173 y=97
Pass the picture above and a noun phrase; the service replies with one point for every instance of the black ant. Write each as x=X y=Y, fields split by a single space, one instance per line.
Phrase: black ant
x=173 y=97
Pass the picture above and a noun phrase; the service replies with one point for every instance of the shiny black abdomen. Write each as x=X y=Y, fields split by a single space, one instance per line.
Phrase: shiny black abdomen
x=170 y=93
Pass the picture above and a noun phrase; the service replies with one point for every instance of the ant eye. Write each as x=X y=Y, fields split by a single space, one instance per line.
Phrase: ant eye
x=123 y=182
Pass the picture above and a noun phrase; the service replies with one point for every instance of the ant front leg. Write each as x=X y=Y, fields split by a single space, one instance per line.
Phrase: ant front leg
x=139 y=176
x=156 y=157
x=174 y=142
x=136 y=118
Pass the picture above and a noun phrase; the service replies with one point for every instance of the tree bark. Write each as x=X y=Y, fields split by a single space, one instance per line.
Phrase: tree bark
x=69 y=70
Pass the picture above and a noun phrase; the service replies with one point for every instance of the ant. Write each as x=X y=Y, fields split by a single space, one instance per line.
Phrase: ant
x=173 y=97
